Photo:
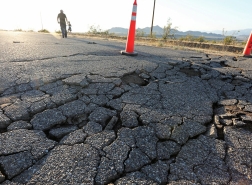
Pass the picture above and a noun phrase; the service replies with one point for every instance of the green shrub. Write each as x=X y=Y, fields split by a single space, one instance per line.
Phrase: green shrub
x=43 y=31
x=18 y=30
x=140 y=33
x=201 y=39
x=228 y=40
x=243 y=43
x=187 y=38
x=160 y=44
x=168 y=31
x=97 y=30
x=94 y=29
x=153 y=35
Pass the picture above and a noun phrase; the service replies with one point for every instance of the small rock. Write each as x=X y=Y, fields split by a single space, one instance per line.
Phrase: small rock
x=158 y=172
x=136 y=160
x=117 y=152
x=248 y=108
x=74 y=108
x=111 y=123
x=101 y=115
x=47 y=119
x=84 y=83
x=205 y=77
x=166 y=149
x=238 y=123
x=228 y=102
x=212 y=131
x=219 y=126
x=163 y=131
x=19 y=125
x=227 y=116
x=4 y=121
x=226 y=122
x=246 y=118
x=92 y=128
x=75 y=137
x=106 y=171
x=135 y=178
x=62 y=131
x=102 y=139
x=23 y=160
x=129 y=119
x=188 y=129
x=216 y=120
x=145 y=76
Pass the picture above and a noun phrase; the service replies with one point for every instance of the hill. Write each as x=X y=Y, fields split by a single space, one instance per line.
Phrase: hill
x=241 y=34
x=159 y=32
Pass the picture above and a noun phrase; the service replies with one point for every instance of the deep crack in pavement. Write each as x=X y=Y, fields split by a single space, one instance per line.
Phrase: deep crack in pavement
x=164 y=117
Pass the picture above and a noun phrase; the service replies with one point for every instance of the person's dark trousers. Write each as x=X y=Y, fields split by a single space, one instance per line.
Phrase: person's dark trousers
x=63 y=30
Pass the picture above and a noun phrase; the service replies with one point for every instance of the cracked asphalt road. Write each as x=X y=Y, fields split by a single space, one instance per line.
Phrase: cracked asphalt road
x=75 y=111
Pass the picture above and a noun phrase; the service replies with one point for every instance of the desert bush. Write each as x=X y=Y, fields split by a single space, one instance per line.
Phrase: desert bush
x=18 y=29
x=153 y=35
x=160 y=44
x=200 y=39
x=243 y=43
x=97 y=30
x=168 y=31
x=187 y=38
x=140 y=33
x=44 y=31
x=94 y=29
x=228 y=40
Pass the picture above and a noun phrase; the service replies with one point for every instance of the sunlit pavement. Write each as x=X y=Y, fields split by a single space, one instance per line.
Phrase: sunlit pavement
x=76 y=111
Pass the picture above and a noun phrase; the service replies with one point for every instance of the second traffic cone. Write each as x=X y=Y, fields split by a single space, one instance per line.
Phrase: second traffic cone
x=131 y=34
x=248 y=47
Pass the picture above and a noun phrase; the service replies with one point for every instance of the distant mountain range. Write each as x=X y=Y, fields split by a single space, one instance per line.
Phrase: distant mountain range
x=234 y=32
x=240 y=34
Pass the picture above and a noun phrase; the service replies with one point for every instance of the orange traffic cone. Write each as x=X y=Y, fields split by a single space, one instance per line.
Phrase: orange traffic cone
x=131 y=34
x=247 y=49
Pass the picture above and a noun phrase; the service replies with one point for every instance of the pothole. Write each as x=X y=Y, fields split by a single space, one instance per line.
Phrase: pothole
x=134 y=78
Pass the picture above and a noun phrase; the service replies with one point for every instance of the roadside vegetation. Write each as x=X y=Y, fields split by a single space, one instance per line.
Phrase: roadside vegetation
x=18 y=29
x=43 y=31
x=97 y=31
x=168 y=31
x=58 y=31
x=167 y=39
x=170 y=39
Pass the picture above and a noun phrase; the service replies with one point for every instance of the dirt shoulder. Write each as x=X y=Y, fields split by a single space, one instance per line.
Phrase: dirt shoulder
x=216 y=49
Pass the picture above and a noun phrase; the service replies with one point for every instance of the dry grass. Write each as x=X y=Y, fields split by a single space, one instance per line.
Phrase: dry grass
x=210 y=48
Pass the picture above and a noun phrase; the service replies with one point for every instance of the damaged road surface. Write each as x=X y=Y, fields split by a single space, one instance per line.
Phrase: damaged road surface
x=75 y=113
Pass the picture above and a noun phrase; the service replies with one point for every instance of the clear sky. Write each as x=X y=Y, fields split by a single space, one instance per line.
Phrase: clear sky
x=196 y=15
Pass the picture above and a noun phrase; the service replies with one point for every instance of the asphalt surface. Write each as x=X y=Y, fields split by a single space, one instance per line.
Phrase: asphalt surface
x=76 y=111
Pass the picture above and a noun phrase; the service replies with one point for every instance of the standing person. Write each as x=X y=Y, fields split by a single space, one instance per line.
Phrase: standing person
x=62 y=19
